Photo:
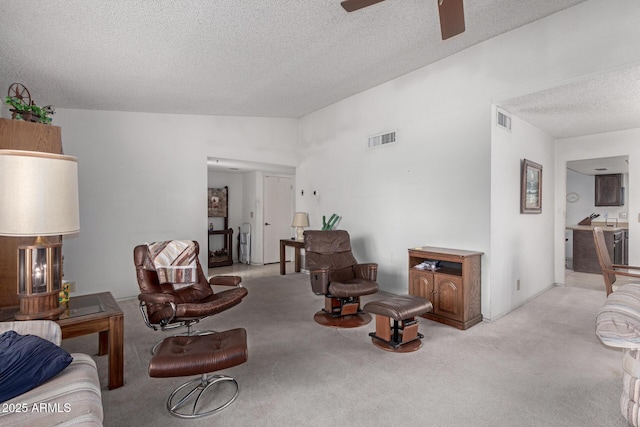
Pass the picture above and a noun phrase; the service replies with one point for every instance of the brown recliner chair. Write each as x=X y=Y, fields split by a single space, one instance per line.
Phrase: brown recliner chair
x=336 y=274
x=164 y=308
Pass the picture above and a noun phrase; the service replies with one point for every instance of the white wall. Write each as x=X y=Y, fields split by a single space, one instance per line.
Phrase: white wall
x=608 y=144
x=252 y=199
x=521 y=244
x=584 y=186
x=143 y=178
x=434 y=186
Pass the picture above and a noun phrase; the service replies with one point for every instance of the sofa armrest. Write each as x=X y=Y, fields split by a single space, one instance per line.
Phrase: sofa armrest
x=75 y=393
x=367 y=271
x=320 y=278
x=47 y=329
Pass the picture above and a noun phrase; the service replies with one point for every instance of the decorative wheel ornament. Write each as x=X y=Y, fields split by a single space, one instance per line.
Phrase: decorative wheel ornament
x=19 y=91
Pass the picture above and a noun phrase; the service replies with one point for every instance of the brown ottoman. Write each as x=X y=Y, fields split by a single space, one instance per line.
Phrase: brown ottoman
x=396 y=324
x=180 y=356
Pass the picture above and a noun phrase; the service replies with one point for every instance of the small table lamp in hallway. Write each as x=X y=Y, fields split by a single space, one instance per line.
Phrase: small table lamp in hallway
x=38 y=198
x=300 y=220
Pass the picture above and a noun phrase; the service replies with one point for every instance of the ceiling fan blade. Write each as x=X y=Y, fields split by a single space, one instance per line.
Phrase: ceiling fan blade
x=351 y=5
x=451 y=18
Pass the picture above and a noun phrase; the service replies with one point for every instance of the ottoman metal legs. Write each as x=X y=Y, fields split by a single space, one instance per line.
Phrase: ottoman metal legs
x=192 y=398
x=199 y=355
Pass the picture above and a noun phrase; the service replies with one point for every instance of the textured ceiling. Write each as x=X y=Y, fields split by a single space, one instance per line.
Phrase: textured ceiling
x=602 y=103
x=278 y=58
x=600 y=166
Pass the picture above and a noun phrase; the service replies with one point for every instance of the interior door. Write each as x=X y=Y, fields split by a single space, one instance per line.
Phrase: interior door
x=278 y=207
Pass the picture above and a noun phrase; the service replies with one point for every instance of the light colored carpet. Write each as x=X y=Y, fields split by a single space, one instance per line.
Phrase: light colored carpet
x=540 y=365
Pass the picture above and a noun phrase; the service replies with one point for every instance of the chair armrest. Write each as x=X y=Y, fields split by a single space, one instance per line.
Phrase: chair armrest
x=367 y=271
x=226 y=280
x=320 y=278
x=156 y=298
x=620 y=273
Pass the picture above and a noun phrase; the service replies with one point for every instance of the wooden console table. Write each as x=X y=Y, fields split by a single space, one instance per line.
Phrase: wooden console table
x=453 y=289
x=297 y=245
x=90 y=314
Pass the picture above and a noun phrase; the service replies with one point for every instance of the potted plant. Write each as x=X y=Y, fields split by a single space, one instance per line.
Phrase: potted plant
x=28 y=112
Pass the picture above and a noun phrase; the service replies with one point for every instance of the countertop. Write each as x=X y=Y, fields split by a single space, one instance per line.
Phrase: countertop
x=606 y=228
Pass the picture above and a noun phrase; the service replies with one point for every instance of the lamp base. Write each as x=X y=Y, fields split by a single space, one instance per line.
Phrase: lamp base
x=40 y=306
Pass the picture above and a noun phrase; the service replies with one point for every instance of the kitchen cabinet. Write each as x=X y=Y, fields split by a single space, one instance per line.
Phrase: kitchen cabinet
x=609 y=190
x=585 y=259
x=453 y=289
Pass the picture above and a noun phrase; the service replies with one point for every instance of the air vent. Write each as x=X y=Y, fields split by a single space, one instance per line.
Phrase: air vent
x=601 y=169
x=504 y=121
x=382 y=139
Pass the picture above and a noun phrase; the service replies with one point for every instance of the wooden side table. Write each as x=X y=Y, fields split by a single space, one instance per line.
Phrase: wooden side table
x=90 y=314
x=297 y=245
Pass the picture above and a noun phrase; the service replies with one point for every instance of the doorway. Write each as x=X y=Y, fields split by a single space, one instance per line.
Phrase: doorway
x=278 y=211
x=580 y=205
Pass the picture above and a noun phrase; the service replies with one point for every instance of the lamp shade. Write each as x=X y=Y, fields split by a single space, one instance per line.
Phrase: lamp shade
x=300 y=219
x=38 y=194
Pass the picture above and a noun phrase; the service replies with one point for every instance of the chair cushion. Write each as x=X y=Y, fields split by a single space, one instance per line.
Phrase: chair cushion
x=618 y=321
x=27 y=361
x=400 y=307
x=353 y=288
x=199 y=354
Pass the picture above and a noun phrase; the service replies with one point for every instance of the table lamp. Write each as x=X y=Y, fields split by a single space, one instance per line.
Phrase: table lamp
x=38 y=198
x=300 y=220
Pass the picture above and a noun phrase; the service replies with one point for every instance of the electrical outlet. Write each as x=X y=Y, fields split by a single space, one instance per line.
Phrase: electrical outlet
x=622 y=215
x=518 y=285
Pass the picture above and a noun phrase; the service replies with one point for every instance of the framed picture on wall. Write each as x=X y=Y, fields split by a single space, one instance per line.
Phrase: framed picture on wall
x=530 y=188
x=217 y=202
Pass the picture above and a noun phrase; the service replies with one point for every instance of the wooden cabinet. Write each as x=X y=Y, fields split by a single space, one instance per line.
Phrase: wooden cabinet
x=218 y=199
x=453 y=289
x=224 y=256
x=609 y=190
x=18 y=135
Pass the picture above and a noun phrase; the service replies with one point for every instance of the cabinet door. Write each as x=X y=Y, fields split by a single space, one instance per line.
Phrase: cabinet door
x=447 y=296
x=421 y=284
x=608 y=190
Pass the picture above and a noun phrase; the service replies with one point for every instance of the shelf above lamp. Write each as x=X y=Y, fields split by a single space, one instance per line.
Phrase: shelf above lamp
x=38 y=198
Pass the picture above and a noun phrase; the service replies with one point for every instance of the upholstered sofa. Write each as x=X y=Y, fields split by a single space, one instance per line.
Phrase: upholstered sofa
x=72 y=397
